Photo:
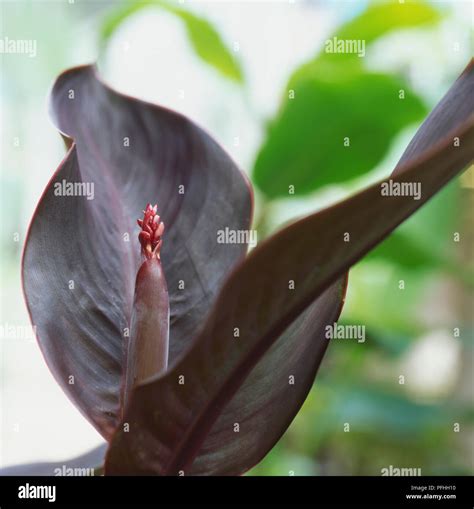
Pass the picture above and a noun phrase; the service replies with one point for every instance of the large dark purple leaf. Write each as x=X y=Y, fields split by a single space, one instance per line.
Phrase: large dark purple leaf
x=190 y=427
x=81 y=256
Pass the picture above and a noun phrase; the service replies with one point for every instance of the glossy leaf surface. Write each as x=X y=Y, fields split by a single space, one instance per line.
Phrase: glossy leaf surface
x=82 y=255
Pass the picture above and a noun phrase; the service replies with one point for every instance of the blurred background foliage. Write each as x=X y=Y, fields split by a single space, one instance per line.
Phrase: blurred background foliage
x=258 y=77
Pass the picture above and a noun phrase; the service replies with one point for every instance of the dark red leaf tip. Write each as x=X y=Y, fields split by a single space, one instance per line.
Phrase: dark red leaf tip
x=151 y=232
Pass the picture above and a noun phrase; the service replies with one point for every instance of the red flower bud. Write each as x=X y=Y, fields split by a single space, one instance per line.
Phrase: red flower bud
x=152 y=231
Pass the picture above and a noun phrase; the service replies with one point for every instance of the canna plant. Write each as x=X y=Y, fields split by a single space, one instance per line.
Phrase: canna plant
x=188 y=355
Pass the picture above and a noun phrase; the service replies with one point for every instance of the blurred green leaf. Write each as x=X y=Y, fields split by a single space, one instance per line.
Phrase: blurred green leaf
x=330 y=99
x=403 y=250
x=374 y=297
x=281 y=461
x=371 y=408
x=317 y=433
x=117 y=16
x=379 y=19
x=433 y=226
x=406 y=252
x=425 y=241
x=391 y=344
x=209 y=46
x=205 y=40
x=306 y=145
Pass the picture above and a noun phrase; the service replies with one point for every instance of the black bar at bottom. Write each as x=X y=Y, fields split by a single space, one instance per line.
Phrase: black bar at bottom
x=348 y=491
